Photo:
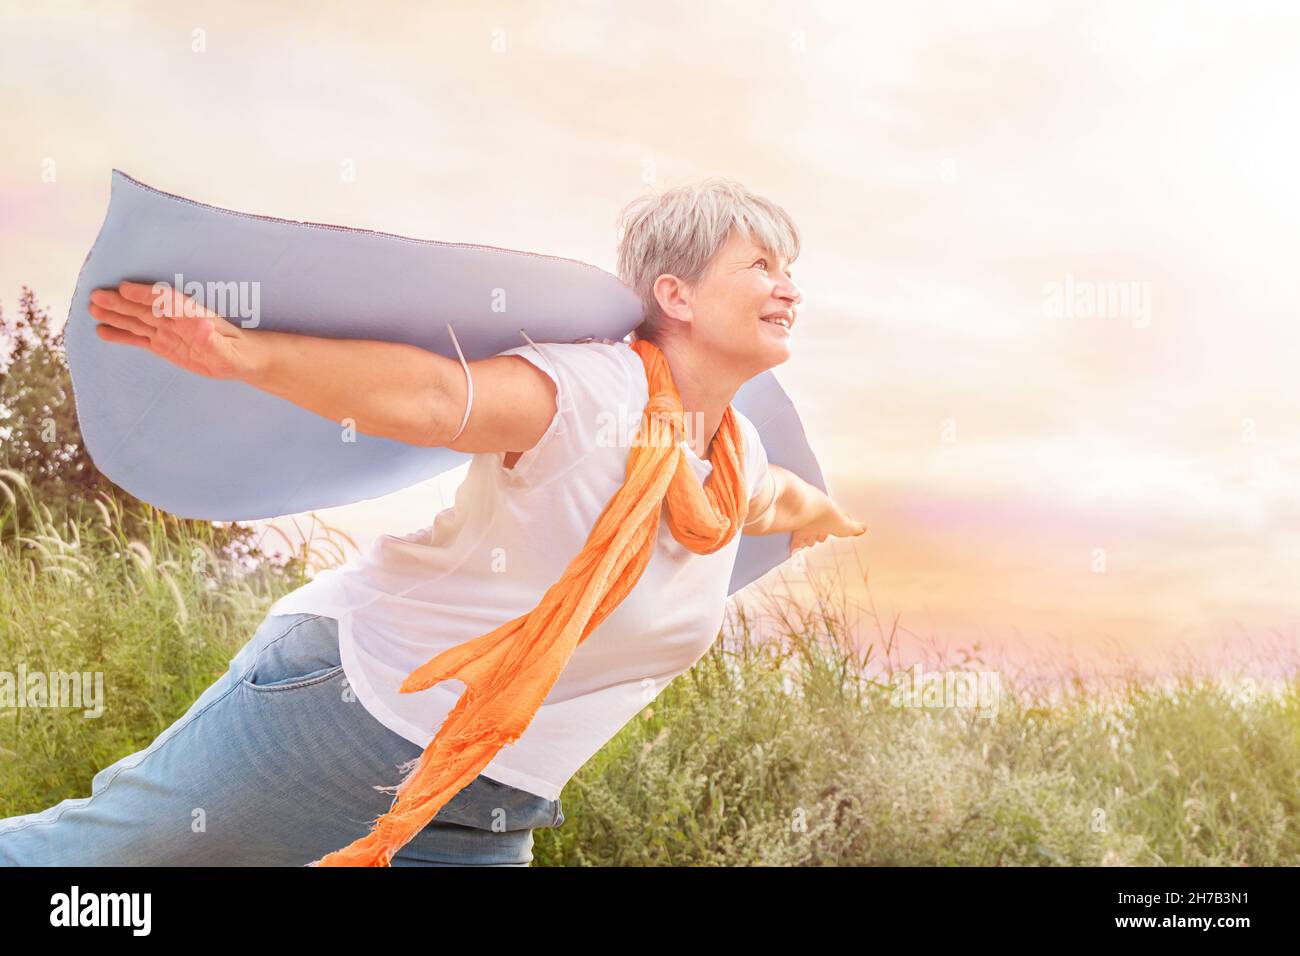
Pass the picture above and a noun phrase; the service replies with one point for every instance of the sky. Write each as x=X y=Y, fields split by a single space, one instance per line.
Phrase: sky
x=1048 y=344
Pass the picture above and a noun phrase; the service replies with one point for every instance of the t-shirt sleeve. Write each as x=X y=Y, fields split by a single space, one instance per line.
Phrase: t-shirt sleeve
x=592 y=388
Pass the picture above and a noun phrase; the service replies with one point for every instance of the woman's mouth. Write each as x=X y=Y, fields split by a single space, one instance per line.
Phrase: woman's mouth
x=779 y=319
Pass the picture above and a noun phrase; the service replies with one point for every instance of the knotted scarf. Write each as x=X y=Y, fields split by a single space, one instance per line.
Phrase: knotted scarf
x=509 y=671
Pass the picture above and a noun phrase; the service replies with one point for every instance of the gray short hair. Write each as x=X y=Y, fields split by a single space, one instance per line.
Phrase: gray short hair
x=680 y=230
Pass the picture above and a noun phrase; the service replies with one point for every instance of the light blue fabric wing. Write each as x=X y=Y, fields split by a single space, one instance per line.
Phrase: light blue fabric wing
x=225 y=451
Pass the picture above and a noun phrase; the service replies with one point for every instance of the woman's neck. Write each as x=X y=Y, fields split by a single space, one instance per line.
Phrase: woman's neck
x=705 y=387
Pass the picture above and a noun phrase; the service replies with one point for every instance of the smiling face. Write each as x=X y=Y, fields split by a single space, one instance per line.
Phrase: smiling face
x=745 y=306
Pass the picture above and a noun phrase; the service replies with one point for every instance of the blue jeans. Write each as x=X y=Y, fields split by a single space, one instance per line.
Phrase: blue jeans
x=276 y=764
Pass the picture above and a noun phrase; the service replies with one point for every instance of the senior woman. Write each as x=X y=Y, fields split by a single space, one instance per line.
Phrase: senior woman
x=551 y=591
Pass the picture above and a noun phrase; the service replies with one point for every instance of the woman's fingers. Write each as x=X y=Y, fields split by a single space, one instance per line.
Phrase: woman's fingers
x=163 y=300
x=810 y=536
x=140 y=301
x=111 y=334
x=139 y=292
x=850 y=527
x=110 y=300
x=160 y=316
x=119 y=320
x=160 y=303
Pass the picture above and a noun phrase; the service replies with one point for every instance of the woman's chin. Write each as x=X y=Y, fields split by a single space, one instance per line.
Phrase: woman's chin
x=774 y=354
x=774 y=343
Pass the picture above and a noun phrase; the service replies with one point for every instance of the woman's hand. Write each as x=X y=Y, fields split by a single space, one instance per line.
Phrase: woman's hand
x=806 y=512
x=831 y=521
x=172 y=326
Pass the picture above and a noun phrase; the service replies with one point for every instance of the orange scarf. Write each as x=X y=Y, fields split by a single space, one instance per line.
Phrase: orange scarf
x=508 y=672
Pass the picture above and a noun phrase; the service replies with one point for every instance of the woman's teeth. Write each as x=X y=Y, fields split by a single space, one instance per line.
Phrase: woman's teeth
x=780 y=320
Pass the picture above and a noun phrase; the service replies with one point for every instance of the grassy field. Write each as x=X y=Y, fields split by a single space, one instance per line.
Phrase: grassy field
x=772 y=753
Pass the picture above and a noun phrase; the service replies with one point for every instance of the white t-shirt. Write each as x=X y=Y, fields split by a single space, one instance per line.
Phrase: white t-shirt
x=491 y=556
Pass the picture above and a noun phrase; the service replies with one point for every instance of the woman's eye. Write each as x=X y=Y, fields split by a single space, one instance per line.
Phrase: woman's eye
x=764 y=261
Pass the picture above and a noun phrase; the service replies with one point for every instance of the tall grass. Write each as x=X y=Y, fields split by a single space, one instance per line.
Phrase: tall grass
x=160 y=617
x=784 y=745
x=796 y=750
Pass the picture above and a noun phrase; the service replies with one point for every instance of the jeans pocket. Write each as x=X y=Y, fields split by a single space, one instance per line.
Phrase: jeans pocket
x=301 y=650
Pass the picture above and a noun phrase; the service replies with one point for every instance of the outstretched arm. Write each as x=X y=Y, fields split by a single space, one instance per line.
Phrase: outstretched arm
x=406 y=392
x=801 y=509
x=388 y=389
